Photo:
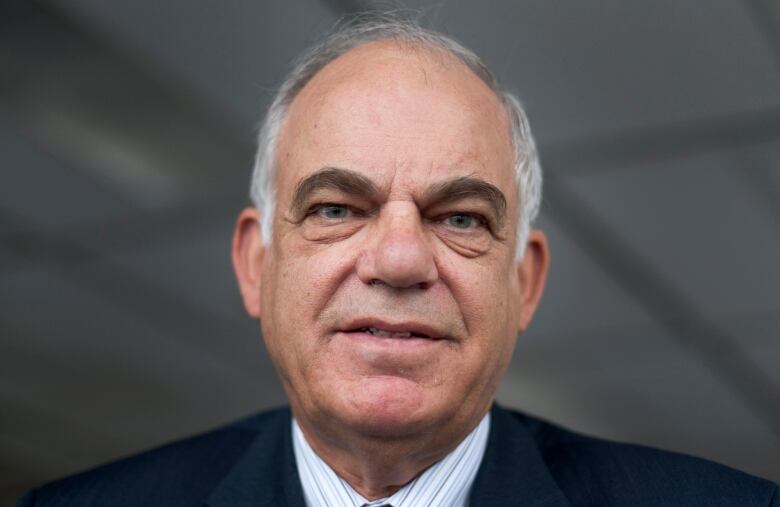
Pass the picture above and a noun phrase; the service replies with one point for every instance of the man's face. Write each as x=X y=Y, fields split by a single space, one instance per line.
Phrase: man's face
x=389 y=297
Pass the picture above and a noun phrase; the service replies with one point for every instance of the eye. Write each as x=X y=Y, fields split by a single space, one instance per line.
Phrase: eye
x=463 y=221
x=332 y=211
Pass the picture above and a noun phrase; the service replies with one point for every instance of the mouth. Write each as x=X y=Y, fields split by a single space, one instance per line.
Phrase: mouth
x=397 y=348
x=398 y=331
x=391 y=334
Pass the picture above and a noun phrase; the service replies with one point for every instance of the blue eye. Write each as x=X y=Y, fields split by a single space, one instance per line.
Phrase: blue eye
x=462 y=221
x=333 y=211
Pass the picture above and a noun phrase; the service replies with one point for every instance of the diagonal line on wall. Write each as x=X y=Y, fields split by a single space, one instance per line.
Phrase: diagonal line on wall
x=659 y=143
x=676 y=313
x=153 y=303
x=28 y=244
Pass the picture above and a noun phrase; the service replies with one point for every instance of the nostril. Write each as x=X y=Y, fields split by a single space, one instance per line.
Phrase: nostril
x=421 y=285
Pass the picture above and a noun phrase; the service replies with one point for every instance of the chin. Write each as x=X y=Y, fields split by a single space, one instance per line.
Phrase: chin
x=390 y=407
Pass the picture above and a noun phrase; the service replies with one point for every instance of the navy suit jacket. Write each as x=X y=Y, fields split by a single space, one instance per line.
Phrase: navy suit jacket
x=528 y=463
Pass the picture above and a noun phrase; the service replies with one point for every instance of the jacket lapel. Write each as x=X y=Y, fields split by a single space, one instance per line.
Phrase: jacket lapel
x=266 y=475
x=513 y=471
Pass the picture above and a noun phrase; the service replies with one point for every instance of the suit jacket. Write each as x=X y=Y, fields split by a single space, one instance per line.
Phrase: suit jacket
x=527 y=463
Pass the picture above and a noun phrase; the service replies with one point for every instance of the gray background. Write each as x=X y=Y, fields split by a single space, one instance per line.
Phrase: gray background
x=126 y=139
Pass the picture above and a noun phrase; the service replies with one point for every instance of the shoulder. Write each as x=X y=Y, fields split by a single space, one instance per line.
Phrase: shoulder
x=178 y=473
x=593 y=471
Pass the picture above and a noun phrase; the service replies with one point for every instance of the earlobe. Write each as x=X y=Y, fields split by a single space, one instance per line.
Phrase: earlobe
x=247 y=255
x=532 y=275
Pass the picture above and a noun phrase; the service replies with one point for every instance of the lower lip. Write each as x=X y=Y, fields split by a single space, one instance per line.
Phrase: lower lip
x=390 y=343
x=369 y=356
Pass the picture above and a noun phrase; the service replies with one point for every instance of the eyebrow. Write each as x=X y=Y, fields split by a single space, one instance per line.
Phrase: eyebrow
x=469 y=187
x=343 y=180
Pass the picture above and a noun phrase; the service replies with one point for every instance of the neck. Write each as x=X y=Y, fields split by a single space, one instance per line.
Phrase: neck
x=377 y=467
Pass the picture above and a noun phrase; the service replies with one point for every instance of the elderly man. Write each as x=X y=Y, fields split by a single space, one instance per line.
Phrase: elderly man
x=391 y=264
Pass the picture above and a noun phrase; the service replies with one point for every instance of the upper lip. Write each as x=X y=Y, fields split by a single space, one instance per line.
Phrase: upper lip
x=414 y=327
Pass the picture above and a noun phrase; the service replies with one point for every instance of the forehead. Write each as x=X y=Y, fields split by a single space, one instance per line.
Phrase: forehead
x=396 y=112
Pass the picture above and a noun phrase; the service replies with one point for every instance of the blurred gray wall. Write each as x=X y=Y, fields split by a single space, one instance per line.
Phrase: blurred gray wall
x=126 y=139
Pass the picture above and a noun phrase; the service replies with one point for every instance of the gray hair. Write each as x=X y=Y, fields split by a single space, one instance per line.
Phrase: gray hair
x=362 y=30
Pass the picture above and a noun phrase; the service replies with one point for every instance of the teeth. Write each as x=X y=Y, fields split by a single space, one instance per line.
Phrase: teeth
x=386 y=334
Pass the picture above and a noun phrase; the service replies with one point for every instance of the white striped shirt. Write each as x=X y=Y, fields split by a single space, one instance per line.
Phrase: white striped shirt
x=446 y=483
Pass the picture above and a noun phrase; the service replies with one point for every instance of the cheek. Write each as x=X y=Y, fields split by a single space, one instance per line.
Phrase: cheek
x=298 y=283
x=307 y=274
x=482 y=291
x=488 y=302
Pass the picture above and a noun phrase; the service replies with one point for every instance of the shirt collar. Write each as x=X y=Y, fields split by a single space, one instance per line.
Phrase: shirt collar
x=445 y=483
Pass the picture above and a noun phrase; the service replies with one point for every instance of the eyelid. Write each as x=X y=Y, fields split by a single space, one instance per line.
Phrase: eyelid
x=354 y=211
x=317 y=207
x=481 y=222
x=479 y=217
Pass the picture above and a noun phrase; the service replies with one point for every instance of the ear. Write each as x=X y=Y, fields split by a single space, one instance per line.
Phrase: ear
x=532 y=274
x=247 y=254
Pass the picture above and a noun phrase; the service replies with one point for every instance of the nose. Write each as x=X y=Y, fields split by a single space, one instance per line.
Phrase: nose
x=398 y=254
